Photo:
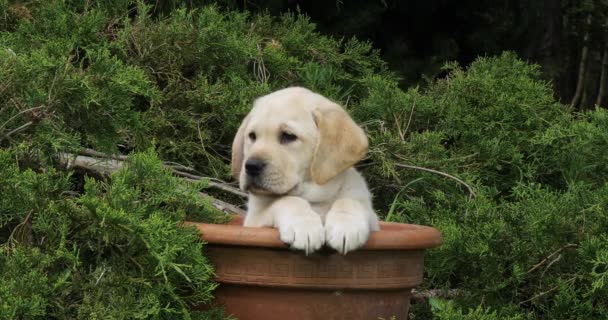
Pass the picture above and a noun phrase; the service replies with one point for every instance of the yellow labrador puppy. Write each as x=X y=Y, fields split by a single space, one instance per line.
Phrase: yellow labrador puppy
x=294 y=154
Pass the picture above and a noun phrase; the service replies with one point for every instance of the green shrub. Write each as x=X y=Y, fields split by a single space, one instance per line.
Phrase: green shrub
x=116 y=251
x=168 y=82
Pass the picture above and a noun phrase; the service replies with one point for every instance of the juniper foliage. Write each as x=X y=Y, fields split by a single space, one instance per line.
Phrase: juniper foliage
x=170 y=82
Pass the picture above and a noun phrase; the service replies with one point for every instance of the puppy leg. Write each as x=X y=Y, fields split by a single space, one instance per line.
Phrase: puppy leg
x=347 y=225
x=298 y=224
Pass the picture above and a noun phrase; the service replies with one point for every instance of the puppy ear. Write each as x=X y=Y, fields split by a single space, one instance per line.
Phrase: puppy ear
x=340 y=145
x=238 y=146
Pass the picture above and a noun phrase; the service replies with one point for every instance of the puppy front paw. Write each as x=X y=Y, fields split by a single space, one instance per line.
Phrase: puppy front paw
x=305 y=233
x=345 y=232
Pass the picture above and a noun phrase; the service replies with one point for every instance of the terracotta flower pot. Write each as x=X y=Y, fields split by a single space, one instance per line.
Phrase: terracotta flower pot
x=261 y=278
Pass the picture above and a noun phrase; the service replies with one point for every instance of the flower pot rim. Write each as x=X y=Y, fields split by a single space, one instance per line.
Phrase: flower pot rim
x=392 y=236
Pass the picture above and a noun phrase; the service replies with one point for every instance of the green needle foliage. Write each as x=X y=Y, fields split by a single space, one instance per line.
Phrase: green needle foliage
x=117 y=251
x=171 y=83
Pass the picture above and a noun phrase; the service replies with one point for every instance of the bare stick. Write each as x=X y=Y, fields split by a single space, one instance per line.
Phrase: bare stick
x=18 y=114
x=398 y=125
x=223 y=206
x=215 y=184
x=424 y=295
x=443 y=174
x=19 y=129
x=559 y=257
x=410 y=119
x=544 y=293
x=94 y=153
x=100 y=166
x=108 y=166
x=538 y=265
x=180 y=167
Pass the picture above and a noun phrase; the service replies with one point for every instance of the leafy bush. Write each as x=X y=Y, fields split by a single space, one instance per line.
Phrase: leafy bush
x=116 y=251
x=526 y=241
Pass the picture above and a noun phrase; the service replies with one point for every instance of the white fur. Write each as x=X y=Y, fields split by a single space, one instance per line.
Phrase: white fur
x=308 y=215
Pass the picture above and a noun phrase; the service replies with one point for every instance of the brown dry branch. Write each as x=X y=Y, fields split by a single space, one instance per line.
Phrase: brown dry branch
x=97 y=154
x=443 y=174
x=106 y=166
x=177 y=169
x=103 y=166
x=214 y=183
x=223 y=205
x=409 y=121
x=20 y=232
x=422 y=296
x=545 y=292
x=19 y=114
x=549 y=257
x=16 y=130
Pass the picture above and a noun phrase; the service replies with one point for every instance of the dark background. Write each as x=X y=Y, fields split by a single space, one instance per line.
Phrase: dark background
x=567 y=38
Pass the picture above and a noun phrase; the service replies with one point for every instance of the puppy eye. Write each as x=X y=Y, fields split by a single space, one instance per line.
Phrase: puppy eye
x=252 y=136
x=287 y=137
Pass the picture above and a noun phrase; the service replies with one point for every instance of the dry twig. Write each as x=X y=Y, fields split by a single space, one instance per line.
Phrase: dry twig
x=443 y=174
x=544 y=293
x=178 y=170
x=16 y=130
x=538 y=265
x=424 y=295
x=106 y=166
x=18 y=114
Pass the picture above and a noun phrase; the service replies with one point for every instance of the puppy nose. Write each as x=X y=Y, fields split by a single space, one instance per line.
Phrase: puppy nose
x=254 y=167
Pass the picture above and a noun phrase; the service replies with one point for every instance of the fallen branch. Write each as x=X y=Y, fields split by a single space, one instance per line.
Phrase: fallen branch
x=180 y=167
x=223 y=205
x=100 y=166
x=409 y=121
x=107 y=166
x=212 y=183
x=544 y=293
x=95 y=153
x=443 y=174
x=423 y=295
x=18 y=114
x=538 y=265
x=178 y=170
x=16 y=130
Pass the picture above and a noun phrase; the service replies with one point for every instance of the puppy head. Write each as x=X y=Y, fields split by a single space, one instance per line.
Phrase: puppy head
x=293 y=136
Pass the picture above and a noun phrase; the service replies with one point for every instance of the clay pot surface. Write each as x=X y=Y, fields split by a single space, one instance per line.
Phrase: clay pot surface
x=261 y=278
